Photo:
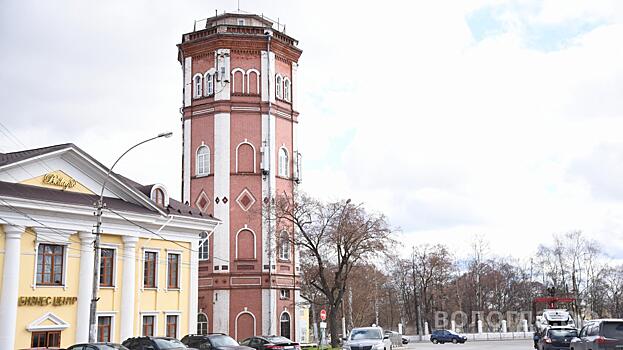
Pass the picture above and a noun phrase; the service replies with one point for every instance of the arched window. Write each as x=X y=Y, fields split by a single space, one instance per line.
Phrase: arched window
x=159 y=194
x=284 y=163
x=285 y=325
x=245 y=244
x=286 y=89
x=202 y=324
x=198 y=84
x=278 y=84
x=253 y=82
x=245 y=158
x=203 y=160
x=237 y=79
x=204 y=249
x=209 y=83
x=284 y=246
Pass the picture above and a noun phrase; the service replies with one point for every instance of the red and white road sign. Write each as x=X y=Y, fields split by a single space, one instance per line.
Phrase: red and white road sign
x=323 y=314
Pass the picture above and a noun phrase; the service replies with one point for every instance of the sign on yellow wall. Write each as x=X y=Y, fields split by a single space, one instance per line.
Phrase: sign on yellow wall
x=45 y=301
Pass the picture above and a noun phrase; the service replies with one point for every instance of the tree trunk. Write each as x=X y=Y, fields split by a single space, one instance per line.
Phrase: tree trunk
x=333 y=329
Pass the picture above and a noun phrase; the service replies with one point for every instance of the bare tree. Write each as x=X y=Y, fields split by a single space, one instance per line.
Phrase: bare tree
x=335 y=237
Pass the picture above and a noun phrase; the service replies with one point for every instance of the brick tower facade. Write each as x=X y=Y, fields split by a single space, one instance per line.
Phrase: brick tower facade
x=239 y=150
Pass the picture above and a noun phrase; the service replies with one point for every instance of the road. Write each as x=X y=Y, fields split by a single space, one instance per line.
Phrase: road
x=525 y=344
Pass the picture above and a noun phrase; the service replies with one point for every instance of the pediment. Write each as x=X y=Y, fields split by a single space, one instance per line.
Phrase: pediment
x=58 y=180
x=47 y=322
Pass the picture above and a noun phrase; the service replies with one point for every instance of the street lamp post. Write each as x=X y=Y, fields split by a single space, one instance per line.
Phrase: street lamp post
x=98 y=230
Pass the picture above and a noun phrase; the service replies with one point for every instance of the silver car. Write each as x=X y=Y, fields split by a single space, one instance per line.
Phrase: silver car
x=367 y=338
x=606 y=334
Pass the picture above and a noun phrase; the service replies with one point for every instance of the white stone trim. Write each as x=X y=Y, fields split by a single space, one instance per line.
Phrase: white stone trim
x=36 y=326
x=285 y=311
x=233 y=80
x=10 y=285
x=187 y=160
x=246 y=228
x=113 y=318
x=142 y=279
x=197 y=92
x=187 y=69
x=128 y=293
x=222 y=173
x=193 y=289
x=65 y=246
x=149 y=313
x=197 y=173
x=257 y=80
x=165 y=193
x=179 y=270
x=246 y=142
x=178 y=314
x=245 y=311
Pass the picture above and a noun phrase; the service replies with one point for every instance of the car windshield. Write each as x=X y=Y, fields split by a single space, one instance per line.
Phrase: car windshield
x=223 y=340
x=613 y=330
x=365 y=334
x=278 y=340
x=169 y=343
x=453 y=332
x=562 y=333
x=110 y=347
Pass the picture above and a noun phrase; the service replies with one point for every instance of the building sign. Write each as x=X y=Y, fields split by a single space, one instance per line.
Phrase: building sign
x=58 y=180
x=46 y=301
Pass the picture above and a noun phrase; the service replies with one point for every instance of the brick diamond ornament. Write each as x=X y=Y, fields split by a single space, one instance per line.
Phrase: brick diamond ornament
x=202 y=202
x=245 y=200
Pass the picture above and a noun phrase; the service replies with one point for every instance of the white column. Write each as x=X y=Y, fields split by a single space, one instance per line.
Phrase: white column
x=128 y=288
x=504 y=329
x=187 y=161
x=222 y=171
x=10 y=286
x=193 y=293
x=85 y=286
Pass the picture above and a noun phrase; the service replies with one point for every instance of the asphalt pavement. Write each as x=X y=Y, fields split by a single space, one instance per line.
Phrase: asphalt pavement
x=524 y=344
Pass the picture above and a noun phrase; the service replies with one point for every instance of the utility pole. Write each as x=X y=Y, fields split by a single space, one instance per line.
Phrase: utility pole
x=96 y=245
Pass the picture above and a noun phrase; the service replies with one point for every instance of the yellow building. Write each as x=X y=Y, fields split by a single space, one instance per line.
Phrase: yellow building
x=149 y=253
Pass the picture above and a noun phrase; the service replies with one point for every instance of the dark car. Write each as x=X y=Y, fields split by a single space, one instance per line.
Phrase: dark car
x=153 y=343
x=272 y=342
x=440 y=336
x=213 y=341
x=97 y=346
x=600 y=335
x=557 y=338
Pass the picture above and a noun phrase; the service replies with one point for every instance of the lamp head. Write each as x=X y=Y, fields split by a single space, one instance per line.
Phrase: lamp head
x=165 y=134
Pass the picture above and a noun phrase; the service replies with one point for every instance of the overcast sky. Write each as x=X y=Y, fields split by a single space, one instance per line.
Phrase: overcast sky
x=502 y=119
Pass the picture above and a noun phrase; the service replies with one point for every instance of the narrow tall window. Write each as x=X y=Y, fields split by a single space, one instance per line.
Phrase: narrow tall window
x=107 y=264
x=286 y=89
x=284 y=166
x=171 y=326
x=148 y=326
x=173 y=268
x=103 y=328
x=204 y=249
x=149 y=273
x=50 y=264
x=285 y=325
x=284 y=246
x=278 y=86
x=203 y=160
x=197 y=86
x=209 y=83
x=159 y=194
x=202 y=324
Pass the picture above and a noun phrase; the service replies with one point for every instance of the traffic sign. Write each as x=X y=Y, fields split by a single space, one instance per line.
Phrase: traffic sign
x=323 y=325
x=323 y=314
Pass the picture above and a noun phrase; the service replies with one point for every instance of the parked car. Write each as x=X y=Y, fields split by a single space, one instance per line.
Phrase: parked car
x=600 y=335
x=212 y=341
x=556 y=338
x=272 y=342
x=441 y=336
x=153 y=343
x=97 y=346
x=404 y=339
x=367 y=338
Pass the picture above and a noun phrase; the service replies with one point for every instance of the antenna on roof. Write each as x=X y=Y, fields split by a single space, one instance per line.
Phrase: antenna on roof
x=238 y=6
x=195 y=26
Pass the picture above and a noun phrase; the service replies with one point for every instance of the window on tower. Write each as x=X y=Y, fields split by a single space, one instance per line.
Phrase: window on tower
x=203 y=160
x=197 y=84
x=286 y=89
x=278 y=86
x=284 y=246
x=209 y=84
x=284 y=164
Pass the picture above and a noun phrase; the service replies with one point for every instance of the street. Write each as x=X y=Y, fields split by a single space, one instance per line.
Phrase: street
x=524 y=344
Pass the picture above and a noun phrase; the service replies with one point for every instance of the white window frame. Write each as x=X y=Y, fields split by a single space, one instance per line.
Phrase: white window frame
x=278 y=86
x=112 y=315
x=208 y=82
x=284 y=166
x=247 y=228
x=289 y=321
x=197 y=87
x=240 y=21
x=246 y=142
x=282 y=242
x=65 y=261
x=287 y=93
x=204 y=244
x=207 y=322
x=206 y=163
x=177 y=314
x=115 y=248
x=179 y=270
x=149 y=313
x=242 y=82
x=151 y=250
x=282 y=294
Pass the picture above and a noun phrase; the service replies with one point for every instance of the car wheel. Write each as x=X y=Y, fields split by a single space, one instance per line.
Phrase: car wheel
x=454 y=341
x=435 y=341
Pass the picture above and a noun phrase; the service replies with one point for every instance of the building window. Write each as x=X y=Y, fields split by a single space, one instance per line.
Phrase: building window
x=240 y=21
x=278 y=83
x=103 y=328
x=148 y=326
x=50 y=264
x=209 y=84
x=149 y=274
x=285 y=325
x=198 y=85
x=203 y=160
x=286 y=89
x=107 y=264
x=284 y=246
x=285 y=294
x=284 y=166
x=159 y=197
x=171 y=326
x=202 y=324
x=45 y=339
x=173 y=268
x=204 y=249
